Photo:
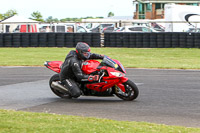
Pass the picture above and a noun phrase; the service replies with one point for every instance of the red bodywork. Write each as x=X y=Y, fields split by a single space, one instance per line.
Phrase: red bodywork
x=91 y=66
x=54 y=65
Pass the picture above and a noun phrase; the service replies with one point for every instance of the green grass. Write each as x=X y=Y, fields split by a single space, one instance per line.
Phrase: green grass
x=178 y=58
x=27 y=122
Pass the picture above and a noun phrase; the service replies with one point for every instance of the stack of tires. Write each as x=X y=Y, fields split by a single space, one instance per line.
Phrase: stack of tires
x=69 y=40
x=175 y=40
x=1 y=40
x=139 y=40
x=25 y=38
x=125 y=40
x=16 y=42
x=197 y=40
x=7 y=39
x=95 y=39
x=190 y=40
x=87 y=38
x=168 y=40
x=42 y=39
x=153 y=40
x=182 y=40
x=34 y=40
x=146 y=40
x=160 y=40
x=109 y=39
x=132 y=40
x=51 y=39
x=60 y=40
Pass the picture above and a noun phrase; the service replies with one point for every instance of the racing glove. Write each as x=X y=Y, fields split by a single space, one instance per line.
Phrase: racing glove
x=93 y=78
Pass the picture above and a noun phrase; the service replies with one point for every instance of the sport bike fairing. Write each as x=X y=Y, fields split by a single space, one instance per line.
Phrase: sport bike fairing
x=54 y=65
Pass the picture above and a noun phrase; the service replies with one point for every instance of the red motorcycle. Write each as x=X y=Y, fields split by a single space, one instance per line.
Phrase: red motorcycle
x=112 y=80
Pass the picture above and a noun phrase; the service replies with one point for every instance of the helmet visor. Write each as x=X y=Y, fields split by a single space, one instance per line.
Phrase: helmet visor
x=86 y=55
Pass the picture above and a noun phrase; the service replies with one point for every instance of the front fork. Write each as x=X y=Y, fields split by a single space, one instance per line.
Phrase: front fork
x=120 y=85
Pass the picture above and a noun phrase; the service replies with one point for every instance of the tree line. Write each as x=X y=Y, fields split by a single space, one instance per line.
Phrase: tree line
x=38 y=17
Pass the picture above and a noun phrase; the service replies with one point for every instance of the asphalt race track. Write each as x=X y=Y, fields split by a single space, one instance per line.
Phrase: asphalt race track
x=169 y=97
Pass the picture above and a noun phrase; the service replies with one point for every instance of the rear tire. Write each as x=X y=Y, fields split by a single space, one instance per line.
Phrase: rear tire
x=131 y=91
x=55 y=78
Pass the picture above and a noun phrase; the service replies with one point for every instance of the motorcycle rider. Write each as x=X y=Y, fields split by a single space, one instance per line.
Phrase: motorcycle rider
x=71 y=68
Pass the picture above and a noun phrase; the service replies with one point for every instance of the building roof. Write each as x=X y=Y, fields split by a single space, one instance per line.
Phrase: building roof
x=167 y=1
x=17 y=19
x=120 y=17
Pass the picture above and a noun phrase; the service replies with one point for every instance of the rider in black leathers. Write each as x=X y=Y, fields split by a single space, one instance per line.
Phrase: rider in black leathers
x=71 y=68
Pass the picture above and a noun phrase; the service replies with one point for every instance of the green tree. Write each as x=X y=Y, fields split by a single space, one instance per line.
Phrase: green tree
x=55 y=20
x=110 y=14
x=71 y=19
x=99 y=17
x=50 y=19
x=63 y=20
x=37 y=16
x=1 y=16
x=8 y=14
x=78 y=19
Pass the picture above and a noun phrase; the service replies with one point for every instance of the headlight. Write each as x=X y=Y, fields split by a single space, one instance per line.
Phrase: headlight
x=117 y=74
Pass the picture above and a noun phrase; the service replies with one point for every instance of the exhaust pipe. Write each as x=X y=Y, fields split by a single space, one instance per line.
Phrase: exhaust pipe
x=59 y=87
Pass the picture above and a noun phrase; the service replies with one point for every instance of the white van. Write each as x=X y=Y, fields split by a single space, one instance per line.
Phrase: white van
x=53 y=28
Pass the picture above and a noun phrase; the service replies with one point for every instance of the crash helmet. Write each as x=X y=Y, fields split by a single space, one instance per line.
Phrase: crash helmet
x=83 y=50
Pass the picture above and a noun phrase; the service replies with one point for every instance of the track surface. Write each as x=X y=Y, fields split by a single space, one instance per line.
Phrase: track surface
x=169 y=97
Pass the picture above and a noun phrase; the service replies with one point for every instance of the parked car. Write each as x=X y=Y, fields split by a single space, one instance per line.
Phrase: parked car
x=158 y=27
x=118 y=29
x=135 y=29
x=82 y=29
x=53 y=28
x=100 y=28
x=108 y=29
x=193 y=30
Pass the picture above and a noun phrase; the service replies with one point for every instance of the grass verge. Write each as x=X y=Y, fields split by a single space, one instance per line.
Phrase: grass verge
x=175 y=58
x=27 y=122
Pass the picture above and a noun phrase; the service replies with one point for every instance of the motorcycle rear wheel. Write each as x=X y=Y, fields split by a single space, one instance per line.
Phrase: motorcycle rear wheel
x=55 y=78
x=131 y=91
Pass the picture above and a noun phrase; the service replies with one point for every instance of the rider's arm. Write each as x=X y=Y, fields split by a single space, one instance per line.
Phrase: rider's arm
x=77 y=71
x=96 y=56
x=79 y=74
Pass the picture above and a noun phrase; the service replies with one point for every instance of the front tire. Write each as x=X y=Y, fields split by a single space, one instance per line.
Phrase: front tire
x=131 y=91
x=55 y=78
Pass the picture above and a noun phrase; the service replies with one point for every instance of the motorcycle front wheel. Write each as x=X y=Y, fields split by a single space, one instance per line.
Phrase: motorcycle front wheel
x=131 y=91
x=55 y=78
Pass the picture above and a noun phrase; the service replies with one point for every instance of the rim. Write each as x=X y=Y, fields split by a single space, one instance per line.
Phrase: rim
x=129 y=90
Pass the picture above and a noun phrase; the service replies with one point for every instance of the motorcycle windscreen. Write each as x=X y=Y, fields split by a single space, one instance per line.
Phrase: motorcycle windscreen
x=121 y=67
x=107 y=61
x=113 y=63
x=54 y=65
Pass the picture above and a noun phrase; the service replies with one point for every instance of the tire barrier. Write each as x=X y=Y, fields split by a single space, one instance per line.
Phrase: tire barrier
x=48 y=39
x=112 y=39
x=152 y=40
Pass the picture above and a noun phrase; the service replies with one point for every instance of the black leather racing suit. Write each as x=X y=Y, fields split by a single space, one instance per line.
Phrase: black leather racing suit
x=71 y=72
